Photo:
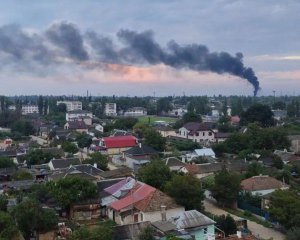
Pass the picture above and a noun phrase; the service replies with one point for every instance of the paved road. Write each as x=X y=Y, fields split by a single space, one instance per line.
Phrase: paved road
x=256 y=229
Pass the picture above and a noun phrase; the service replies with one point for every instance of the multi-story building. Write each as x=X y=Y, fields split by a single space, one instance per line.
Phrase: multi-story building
x=71 y=105
x=110 y=109
x=136 y=112
x=80 y=115
x=29 y=109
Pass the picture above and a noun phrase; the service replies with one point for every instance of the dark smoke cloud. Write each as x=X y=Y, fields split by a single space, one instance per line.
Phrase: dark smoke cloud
x=65 y=41
x=68 y=38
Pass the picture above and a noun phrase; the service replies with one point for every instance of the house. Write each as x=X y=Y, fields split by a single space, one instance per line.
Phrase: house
x=80 y=115
x=55 y=164
x=99 y=128
x=120 y=172
x=143 y=203
x=286 y=156
x=195 y=223
x=221 y=137
x=295 y=143
x=165 y=131
x=130 y=231
x=198 y=132
x=135 y=112
x=110 y=109
x=279 y=114
x=71 y=105
x=202 y=152
x=138 y=156
x=86 y=171
x=202 y=170
x=29 y=109
x=85 y=210
x=174 y=163
x=262 y=185
x=178 y=111
x=78 y=126
x=116 y=145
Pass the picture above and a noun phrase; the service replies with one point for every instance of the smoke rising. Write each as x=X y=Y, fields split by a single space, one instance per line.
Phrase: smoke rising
x=64 y=43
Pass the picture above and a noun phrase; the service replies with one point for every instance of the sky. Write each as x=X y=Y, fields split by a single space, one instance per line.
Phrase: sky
x=142 y=47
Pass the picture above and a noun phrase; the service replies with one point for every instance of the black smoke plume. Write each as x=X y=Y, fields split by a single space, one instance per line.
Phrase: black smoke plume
x=64 y=43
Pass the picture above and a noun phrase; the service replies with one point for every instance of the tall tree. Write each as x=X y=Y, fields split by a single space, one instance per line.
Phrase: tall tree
x=187 y=191
x=154 y=139
x=226 y=187
x=41 y=104
x=99 y=159
x=8 y=228
x=258 y=113
x=155 y=174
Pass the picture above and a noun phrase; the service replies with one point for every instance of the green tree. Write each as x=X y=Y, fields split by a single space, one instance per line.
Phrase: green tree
x=226 y=188
x=279 y=105
x=103 y=231
x=22 y=175
x=187 y=191
x=6 y=162
x=155 y=174
x=285 y=208
x=191 y=117
x=254 y=169
x=69 y=147
x=8 y=228
x=41 y=105
x=24 y=127
x=226 y=224
x=70 y=190
x=147 y=234
x=293 y=234
x=37 y=156
x=258 y=113
x=154 y=139
x=30 y=217
x=125 y=123
x=98 y=158
x=84 y=140
x=3 y=202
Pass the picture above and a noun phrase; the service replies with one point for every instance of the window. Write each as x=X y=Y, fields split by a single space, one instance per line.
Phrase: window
x=210 y=133
x=142 y=217
x=197 y=134
x=203 y=133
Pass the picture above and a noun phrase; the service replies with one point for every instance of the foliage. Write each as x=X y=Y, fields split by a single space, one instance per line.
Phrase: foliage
x=84 y=140
x=69 y=147
x=156 y=174
x=164 y=105
x=3 y=202
x=226 y=224
x=8 y=228
x=208 y=182
x=22 y=175
x=24 y=127
x=38 y=156
x=293 y=234
x=70 y=190
x=285 y=208
x=101 y=232
x=191 y=117
x=226 y=188
x=6 y=162
x=254 y=169
x=30 y=216
x=125 y=123
x=279 y=105
x=258 y=113
x=147 y=234
x=253 y=200
x=254 y=140
x=98 y=158
x=154 y=139
x=187 y=191
x=185 y=145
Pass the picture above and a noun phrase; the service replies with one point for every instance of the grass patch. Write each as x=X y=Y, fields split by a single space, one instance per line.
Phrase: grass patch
x=145 y=119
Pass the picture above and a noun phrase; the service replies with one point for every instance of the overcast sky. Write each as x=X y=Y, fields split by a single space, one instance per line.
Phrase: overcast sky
x=50 y=47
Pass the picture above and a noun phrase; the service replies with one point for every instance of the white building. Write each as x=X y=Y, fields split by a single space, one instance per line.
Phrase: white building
x=29 y=109
x=80 y=115
x=71 y=105
x=136 y=112
x=198 y=132
x=110 y=109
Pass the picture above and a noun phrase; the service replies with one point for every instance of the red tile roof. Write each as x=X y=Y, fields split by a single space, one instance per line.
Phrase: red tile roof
x=137 y=195
x=119 y=141
x=261 y=183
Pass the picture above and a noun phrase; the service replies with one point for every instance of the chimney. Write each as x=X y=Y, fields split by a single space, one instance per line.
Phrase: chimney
x=163 y=213
x=239 y=234
x=140 y=145
x=95 y=165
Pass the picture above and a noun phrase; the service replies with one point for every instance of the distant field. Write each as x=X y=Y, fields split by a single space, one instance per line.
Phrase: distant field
x=145 y=119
